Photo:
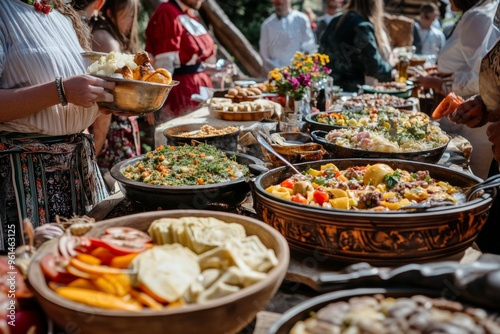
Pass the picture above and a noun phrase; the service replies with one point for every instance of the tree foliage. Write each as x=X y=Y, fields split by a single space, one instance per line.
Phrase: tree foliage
x=247 y=15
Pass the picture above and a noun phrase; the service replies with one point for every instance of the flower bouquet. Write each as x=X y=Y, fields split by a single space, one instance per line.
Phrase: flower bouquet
x=306 y=69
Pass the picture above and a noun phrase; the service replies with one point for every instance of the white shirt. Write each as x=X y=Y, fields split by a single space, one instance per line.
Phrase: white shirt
x=469 y=42
x=432 y=39
x=34 y=49
x=281 y=38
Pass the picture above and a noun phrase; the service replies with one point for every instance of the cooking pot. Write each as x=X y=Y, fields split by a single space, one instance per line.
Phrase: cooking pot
x=226 y=141
x=311 y=306
x=376 y=237
x=229 y=193
x=339 y=152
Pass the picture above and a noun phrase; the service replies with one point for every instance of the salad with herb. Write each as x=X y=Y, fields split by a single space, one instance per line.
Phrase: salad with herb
x=186 y=166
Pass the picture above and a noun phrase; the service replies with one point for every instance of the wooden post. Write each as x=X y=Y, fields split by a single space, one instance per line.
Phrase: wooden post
x=232 y=39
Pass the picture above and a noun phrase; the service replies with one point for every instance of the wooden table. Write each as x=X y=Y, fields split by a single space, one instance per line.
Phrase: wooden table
x=299 y=281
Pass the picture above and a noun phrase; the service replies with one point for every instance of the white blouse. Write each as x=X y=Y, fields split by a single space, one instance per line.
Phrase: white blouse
x=469 y=42
x=34 y=49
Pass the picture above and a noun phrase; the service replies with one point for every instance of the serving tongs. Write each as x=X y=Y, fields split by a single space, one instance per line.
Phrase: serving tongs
x=468 y=194
x=491 y=182
x=261 y=138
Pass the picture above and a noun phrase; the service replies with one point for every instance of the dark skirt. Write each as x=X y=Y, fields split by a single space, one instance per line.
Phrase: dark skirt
x=42 y=177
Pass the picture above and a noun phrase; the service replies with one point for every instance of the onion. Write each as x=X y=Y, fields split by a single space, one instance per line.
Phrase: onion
x=46 y=232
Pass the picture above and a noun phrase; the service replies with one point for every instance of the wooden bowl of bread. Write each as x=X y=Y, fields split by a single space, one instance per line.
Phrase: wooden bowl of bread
x=228 y=310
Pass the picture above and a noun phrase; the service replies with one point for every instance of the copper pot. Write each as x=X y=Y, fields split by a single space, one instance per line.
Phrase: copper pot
x=375 y=237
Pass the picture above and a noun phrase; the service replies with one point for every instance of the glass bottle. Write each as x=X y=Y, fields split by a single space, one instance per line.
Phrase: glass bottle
x=329 y=94
x=403 y=64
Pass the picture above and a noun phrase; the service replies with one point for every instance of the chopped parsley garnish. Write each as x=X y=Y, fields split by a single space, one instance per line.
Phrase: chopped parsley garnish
x=186 y=166
x=392 y=179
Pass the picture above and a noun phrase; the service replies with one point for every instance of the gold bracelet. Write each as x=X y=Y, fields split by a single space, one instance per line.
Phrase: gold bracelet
x=60 y=91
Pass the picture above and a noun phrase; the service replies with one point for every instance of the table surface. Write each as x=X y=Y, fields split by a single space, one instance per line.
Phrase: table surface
x=203 y=116
x=295 y=289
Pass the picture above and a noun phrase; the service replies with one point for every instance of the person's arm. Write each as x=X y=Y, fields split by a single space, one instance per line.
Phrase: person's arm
x=82 y=90
x=308 y=40
x=100 y=129
x=365 y=45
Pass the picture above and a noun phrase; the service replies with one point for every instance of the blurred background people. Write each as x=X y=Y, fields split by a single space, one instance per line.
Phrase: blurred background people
x=427 y=38
x=358 y=45
x=114 y=28
x=461 y=56
x=47 y=163
x=182 y=45
x=282 y=34
x=332 y=7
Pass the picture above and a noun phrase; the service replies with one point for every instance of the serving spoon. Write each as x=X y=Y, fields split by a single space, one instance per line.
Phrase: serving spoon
x=491 y=182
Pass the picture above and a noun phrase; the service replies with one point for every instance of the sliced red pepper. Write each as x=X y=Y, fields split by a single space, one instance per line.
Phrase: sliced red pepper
x=298 y=198
x=320 y=196
x=54 y=269
x=124 y=248
x=288 y=183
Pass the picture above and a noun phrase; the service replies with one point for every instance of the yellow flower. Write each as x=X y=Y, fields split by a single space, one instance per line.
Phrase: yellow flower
x=304 y=69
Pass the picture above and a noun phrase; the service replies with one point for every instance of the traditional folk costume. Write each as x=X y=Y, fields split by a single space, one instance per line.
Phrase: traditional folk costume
x=180 y=44
x=47 y=165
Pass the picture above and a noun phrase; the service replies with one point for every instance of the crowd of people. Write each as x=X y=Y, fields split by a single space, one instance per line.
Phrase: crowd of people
x=56 y=143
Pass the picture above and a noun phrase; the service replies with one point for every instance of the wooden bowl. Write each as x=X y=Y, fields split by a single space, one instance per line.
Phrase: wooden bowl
x=228 y=314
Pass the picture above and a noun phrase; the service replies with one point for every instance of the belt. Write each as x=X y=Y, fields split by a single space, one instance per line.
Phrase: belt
x=188 y=69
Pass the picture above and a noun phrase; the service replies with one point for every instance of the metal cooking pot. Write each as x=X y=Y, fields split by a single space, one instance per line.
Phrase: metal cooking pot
x=229 y=193
x=305 y=309
x=339 y=152
x=225 y=142
x=375 y=237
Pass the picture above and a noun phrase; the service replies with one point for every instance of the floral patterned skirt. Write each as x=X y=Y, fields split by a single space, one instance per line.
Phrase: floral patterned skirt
x=122 y=142
x=43 y=177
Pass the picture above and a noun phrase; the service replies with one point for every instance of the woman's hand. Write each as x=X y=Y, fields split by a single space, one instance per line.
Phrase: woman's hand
x=472 y=113
x=85 y=90
x=430 y=81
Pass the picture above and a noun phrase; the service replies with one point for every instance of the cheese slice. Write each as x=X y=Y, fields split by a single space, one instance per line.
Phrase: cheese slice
x=167 y=271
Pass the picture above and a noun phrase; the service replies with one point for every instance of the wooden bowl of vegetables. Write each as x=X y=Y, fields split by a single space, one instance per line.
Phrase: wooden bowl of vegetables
x=114 y=306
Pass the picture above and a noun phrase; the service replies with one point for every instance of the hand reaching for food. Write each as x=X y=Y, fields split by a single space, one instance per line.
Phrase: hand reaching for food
x=471 y=112
x=447 y=106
